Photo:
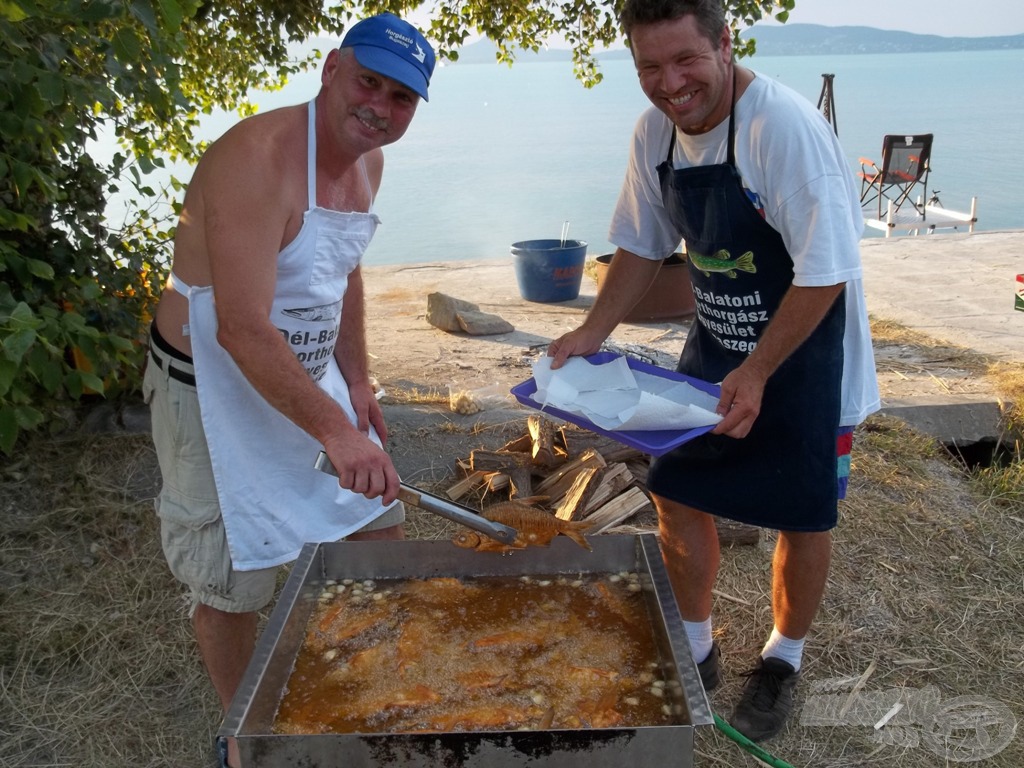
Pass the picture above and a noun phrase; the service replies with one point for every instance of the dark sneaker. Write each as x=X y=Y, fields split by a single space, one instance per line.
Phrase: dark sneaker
x=766 y=700
x=708 y=669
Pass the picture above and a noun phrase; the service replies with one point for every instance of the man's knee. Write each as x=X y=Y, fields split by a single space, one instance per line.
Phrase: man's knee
x=811 y=541
x=675 y=511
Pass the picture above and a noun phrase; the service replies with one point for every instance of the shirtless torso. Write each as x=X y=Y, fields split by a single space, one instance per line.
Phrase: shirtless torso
x=245 y=203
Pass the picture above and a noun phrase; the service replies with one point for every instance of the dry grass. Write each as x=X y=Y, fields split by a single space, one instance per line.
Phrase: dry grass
x=925 y=590
x=98 y=667
x=416 y=396
x=98 y=662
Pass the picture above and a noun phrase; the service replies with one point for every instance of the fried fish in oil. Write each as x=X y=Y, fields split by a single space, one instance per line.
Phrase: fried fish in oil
x=535 y=528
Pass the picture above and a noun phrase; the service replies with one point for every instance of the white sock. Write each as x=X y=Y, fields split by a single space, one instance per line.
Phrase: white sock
x=699 y=635
x=781 y=647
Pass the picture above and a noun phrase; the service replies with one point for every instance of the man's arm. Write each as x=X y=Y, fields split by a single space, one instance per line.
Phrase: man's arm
x=629 y=277
x=350 y=354
x=801 y=311
x=247 y=212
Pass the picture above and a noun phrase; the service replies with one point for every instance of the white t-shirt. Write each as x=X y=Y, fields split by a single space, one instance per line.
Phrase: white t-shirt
x=794 y=170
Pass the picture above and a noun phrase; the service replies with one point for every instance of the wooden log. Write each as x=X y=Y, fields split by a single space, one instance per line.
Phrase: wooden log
x=731 y=532
x=521 y=444
x=613 y=482
x=496 y=461
x=520 y=483
x=466 y=484
x=577 y=440
x=639 y=470
x=618 y=452
x=558 y=483
x=583 y=487
x=622 y=507
x=542 y=438
x=497 y=481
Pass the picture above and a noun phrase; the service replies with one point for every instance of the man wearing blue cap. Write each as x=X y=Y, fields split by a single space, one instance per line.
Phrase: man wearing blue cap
x=258 y=352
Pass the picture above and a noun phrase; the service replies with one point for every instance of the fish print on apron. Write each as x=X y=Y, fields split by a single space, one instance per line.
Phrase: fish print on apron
x=272 y=498
x=783 y=473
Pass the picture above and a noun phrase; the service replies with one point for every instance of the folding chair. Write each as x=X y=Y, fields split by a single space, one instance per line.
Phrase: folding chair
x=904 y=166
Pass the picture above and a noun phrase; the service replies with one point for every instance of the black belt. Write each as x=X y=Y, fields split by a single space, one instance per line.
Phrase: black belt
x=159 y=342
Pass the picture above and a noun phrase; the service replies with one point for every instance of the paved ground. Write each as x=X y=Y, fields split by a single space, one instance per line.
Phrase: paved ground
x=956 y=288
x=953 y=287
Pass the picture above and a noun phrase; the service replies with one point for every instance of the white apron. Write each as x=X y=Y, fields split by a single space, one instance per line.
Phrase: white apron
x=272 y=498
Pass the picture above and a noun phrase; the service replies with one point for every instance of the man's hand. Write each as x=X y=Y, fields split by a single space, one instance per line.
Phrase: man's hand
x=578 y=342
x=362 y=467
x=799 y=313
x=740 y=402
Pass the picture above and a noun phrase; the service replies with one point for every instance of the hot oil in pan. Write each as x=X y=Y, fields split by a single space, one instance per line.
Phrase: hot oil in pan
x=478 y=654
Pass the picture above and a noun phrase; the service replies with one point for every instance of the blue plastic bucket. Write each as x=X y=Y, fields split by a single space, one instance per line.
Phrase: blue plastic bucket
x=549 y=270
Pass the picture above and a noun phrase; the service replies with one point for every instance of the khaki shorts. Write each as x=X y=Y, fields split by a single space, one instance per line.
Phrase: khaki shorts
x=191 y=527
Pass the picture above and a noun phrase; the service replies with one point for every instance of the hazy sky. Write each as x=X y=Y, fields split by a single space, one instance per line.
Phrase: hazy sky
x=949 y=18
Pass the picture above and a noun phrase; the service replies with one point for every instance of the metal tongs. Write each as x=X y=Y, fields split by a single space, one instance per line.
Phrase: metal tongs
x=443 y=507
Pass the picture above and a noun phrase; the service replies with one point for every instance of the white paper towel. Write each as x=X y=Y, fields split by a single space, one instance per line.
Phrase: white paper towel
x=615 y=397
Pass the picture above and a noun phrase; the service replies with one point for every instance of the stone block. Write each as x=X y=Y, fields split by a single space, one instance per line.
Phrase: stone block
x=454 y=315
x=960 y=420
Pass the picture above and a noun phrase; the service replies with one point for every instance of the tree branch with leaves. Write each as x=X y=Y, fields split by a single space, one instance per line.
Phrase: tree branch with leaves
x=77 y=289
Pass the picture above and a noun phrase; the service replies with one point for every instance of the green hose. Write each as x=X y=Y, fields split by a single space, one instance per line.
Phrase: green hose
x=748 y=745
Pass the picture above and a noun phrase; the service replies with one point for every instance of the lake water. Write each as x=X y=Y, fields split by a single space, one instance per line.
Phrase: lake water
x=503 y=154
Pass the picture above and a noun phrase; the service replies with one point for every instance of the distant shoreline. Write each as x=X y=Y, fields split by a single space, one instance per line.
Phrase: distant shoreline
x=787 y=40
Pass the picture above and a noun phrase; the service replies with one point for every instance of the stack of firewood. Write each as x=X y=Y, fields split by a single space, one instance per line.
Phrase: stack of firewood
x=572 y=473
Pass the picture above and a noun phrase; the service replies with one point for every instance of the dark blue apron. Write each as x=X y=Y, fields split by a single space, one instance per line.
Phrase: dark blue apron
x=783 y=473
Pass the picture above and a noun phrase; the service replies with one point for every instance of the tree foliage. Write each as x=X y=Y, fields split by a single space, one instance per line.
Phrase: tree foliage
x=77 y=289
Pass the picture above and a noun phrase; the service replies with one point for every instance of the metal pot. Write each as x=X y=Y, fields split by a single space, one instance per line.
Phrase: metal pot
x=670 y=295
x=251 y=715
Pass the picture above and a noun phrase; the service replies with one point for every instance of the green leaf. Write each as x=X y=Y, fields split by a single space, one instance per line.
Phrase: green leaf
x=172 y=13
x=49 y=375
x=93 y=382
x=91 y=290
x=23 y=315
x=12 y=11
x=121 y=344
x=143 y=11
x=16 y=221
x=127 y=46
x=27 y=417
x=18 y=343
x=50 y=87
x=73 y=384
x=22 y=174
x=99 y=10
x=8 y=370
x=40 y=269
x=8 y=429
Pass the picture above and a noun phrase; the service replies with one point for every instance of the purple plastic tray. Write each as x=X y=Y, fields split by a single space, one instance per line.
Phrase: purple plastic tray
x=654 y=442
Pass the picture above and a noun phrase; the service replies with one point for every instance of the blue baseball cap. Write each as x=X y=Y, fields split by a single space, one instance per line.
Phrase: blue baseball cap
x=393 y=48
